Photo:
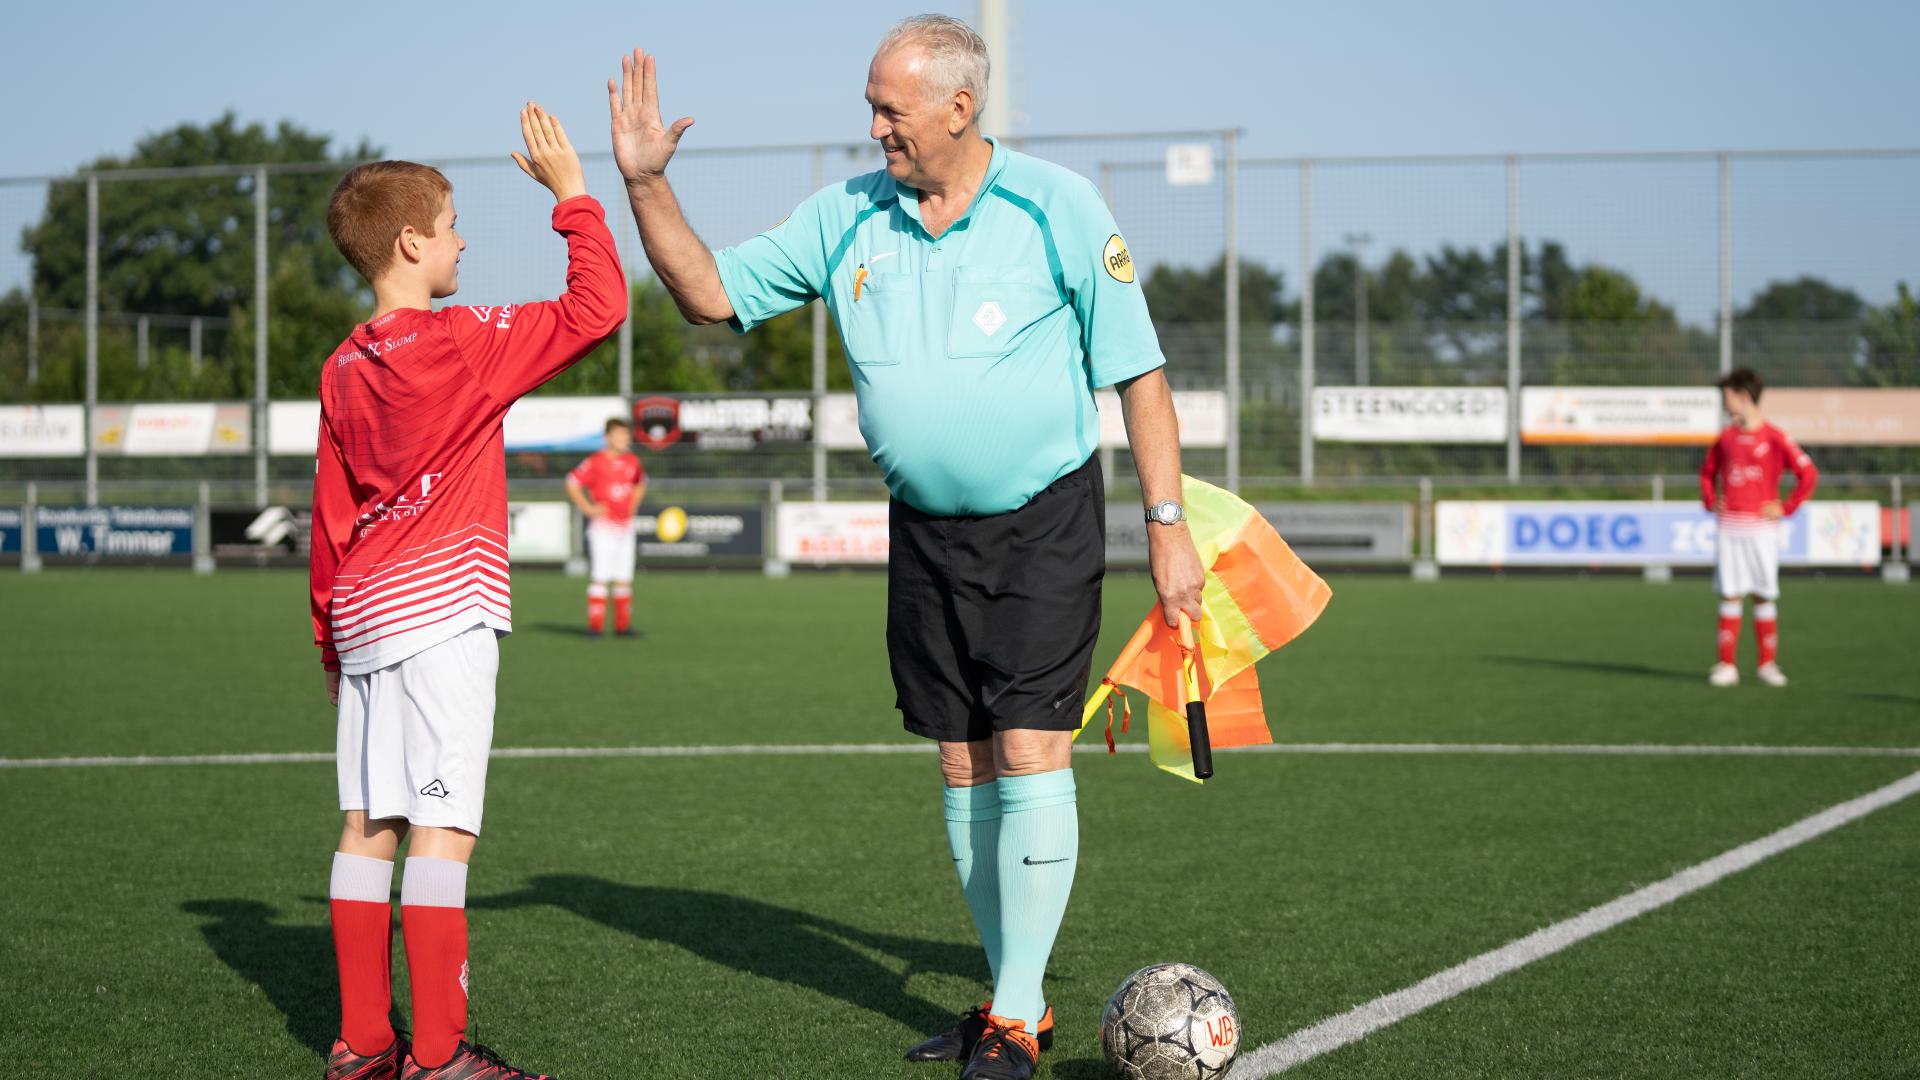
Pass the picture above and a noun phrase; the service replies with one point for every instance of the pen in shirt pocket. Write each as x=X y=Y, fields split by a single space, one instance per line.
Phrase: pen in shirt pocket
x=859 y=276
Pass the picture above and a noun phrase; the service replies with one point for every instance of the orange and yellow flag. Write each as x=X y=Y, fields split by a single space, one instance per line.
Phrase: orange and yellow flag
x=1258 y=597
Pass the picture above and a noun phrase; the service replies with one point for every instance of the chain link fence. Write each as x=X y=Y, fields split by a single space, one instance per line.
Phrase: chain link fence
x=1267 y=278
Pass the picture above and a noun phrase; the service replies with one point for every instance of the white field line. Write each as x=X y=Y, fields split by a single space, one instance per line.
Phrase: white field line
x=811 y=749
x=1349 y=1027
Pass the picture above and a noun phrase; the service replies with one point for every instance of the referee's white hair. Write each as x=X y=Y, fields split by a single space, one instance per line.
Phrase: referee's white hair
x=956 y=56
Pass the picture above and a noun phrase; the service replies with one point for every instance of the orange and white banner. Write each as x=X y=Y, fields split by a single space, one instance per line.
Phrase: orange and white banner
x=1620 y=415
x=1846 y=417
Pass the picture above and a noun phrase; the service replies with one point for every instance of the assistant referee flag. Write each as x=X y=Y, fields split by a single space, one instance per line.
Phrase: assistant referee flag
x=1258 y=596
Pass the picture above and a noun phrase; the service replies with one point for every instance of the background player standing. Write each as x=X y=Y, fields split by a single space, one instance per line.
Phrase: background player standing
x=1745 y=463
x=409 y=576
x=607 y=489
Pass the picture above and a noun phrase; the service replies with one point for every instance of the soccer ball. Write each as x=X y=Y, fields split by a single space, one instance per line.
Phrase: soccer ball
x=1170 y=1022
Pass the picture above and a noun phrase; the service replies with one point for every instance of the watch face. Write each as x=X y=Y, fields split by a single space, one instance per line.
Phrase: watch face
x=1166 y=513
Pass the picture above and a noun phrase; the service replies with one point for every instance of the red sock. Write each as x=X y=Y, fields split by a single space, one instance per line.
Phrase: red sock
x=363 y=947
x=437 y=967
x=596 y=608
x=622 y=609
x=1766 y=627
x=1729 y=629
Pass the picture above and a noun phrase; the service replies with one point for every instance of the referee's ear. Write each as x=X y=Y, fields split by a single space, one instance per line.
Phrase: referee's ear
x=961 y=114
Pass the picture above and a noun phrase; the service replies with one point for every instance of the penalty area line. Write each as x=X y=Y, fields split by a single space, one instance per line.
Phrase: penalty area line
x=816 y=749
x=1363 y=1020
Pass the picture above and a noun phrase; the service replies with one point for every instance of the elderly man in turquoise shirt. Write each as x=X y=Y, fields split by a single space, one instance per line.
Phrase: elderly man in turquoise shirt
x=982 y=296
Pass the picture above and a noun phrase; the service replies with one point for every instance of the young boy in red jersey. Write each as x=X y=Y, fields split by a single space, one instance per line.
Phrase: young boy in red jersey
x=607 y=488
x=1745 y=463
x=409 y=576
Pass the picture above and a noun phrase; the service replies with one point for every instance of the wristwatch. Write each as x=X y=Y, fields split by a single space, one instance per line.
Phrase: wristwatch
x=1166 y=513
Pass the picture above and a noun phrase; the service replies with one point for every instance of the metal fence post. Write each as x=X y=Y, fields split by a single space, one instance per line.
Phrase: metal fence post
x=93 y=335
x=260 y=338
x=1513 y=319
x=141 y=333
x=193 y=345
x=1306 y=322
x=1895 y=570
x=33 y=338
x=819 y=360
x=1232 y=267
x=1726 y=266
x=1658 y=573
x=1426 y=564
x=203 y=532
x=771 y=564
x=30 y=531
x=624 y=344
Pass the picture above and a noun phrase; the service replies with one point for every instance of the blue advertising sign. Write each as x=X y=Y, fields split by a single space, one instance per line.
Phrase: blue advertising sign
x=1639 y=534
x=12 y=521
x=138 y=532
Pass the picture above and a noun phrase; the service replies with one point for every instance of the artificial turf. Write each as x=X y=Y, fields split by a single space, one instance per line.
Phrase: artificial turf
x=776 y=916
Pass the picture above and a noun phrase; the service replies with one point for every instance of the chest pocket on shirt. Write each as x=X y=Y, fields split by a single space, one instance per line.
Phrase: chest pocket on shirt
x=883 y=325
x=993 y=306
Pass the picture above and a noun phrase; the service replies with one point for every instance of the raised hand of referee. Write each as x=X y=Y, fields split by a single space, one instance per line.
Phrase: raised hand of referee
x=642 y=144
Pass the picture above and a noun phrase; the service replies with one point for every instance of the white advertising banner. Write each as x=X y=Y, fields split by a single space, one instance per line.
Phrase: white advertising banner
x=1203 y=420
x=833 y=532
x=185 y=429
x=293 y=428
x=1619 y=415
x=561 y=423
x=1623 y=533
x=42 y=431
x=1410 y=414
x=539 y=532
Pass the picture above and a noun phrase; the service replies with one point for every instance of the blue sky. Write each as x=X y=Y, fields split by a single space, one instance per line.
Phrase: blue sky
x=1313 y=79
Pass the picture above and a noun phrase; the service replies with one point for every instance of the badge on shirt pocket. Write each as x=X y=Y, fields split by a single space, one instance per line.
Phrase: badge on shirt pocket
x=994 y=305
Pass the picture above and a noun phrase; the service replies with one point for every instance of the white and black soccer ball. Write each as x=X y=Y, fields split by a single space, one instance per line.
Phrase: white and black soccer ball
x=1170 y=1022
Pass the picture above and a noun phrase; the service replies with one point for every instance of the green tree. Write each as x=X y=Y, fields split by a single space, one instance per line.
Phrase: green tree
x=1892 y=343
x=185 y=246
x=1805 y=331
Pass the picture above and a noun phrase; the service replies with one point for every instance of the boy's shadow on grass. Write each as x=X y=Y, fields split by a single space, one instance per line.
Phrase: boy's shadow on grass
x=756 y=938
x=575 y=630
x=1602 y=667
x=292 y=964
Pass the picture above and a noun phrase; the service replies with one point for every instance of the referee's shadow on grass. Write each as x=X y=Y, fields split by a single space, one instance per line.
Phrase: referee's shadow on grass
x=1601 y=667
x=292 y=964
x=793 y=947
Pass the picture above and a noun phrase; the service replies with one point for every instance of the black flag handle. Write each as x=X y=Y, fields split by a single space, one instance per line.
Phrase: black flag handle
x=1197 y=738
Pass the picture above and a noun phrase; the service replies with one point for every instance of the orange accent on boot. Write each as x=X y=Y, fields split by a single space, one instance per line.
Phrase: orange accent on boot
x=1015 y=1030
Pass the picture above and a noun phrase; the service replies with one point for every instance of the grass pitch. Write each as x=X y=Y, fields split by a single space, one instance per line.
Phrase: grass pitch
x=767 y=916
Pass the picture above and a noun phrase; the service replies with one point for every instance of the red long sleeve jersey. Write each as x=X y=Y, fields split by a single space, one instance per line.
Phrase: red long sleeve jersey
x=410 y=489
x=1747 y=466
x=609 y=479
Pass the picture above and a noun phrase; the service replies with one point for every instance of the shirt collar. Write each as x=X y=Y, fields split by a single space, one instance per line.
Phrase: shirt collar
x=910 y=197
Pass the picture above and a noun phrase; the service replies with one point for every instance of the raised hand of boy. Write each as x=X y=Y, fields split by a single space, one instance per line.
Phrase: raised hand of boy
x=550 y=159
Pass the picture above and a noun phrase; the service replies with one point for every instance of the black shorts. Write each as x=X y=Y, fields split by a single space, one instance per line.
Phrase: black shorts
x=991 y=620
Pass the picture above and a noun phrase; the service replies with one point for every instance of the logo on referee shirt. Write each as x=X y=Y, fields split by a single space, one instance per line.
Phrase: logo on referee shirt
x=1118 y=261
x=989 y=318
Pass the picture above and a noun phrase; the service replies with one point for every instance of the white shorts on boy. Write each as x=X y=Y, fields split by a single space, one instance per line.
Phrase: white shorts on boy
x=414 y=737
x=610 y=551
x=1747 y=560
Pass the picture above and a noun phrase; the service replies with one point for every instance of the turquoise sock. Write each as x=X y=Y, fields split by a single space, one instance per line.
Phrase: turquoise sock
x=1039 y=845
x=973 y=833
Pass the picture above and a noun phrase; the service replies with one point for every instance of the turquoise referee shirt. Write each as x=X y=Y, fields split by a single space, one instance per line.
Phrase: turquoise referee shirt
x=974 y=354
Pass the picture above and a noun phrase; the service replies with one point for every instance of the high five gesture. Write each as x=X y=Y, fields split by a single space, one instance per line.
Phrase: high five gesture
x=642 y=144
